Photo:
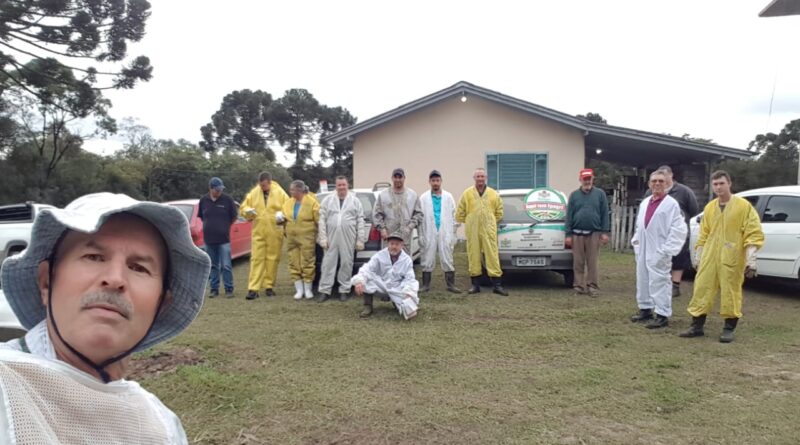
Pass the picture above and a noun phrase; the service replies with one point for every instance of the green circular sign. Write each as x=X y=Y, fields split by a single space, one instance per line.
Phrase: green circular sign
x=545 y=204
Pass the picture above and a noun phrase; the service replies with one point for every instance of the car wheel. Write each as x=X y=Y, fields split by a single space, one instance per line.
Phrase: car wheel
x=569 y=277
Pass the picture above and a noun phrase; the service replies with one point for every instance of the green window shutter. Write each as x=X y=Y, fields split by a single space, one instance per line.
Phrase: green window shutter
x=517 y=170
x=492 y=170
x=540 y=170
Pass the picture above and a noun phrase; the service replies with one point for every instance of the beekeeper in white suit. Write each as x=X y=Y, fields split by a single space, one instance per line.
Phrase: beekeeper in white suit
x=341 y=233
x=437 y=233
x=660 y=234
x=103 y=278
x=389 y=272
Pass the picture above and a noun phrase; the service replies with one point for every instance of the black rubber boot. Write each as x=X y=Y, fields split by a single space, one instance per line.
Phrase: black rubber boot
x=476 y=285
x=426 y=282
x=642 y=316
x=450 y=280
x=695 y=329
x=659 y=322
x=676 y=289
x=727 y=330
x=251 y=295
x=367 y=306
x=498 y=287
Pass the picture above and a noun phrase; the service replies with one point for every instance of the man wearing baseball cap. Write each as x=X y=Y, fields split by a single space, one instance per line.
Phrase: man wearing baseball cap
x=587 y=227
x=397 y=210
x=390 y=272
x=102 y=278
x=218 y=211
x=437 y=233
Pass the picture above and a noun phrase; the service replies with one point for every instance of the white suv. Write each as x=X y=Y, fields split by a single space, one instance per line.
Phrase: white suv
x=779 y=210
x=531 y=234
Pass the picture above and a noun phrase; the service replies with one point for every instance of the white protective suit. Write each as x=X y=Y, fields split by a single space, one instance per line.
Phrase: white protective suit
x=380 y=276
x=397 y=213
x=655 y=246
x=46 y=401
x=433 y=241
x=340 y=226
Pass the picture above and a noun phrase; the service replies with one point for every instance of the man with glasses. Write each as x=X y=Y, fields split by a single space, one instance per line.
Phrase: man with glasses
x=660 y=234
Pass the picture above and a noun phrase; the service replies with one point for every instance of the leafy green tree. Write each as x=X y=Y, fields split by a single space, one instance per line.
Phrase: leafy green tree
x=776 y=163
x=593 y=117
x=297 y=124
x=340 y=153
x=243 y=122
x=47 y=47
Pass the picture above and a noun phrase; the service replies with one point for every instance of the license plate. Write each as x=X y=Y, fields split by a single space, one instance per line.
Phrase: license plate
x=530 y=261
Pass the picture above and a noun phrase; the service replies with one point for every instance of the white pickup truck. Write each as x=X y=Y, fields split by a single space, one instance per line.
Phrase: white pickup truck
x=16 y=221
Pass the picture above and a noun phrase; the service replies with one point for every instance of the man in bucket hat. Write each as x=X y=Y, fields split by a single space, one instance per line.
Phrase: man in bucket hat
x=389 y=272
x=103 y=278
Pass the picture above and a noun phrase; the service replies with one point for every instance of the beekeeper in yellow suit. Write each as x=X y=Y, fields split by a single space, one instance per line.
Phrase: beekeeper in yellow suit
x=481 y=208
x=730 y=235
x=301 y=215
x=260 y=206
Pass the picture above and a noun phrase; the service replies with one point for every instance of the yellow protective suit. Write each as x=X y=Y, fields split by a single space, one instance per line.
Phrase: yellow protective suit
x=267 y=236
x=723 y=237
x=481 y=215
x=301 y=237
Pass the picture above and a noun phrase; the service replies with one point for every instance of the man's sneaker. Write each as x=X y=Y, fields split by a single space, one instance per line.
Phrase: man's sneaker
x=323 y=297
x=269 y=292
x=344 y=296
x=579 y=290
x=229 y=293
x=593 y=291
x=659 y=322
x=251 y=295
x=213 y=294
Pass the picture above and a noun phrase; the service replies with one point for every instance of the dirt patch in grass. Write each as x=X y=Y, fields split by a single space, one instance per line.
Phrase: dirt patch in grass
x=164 y=362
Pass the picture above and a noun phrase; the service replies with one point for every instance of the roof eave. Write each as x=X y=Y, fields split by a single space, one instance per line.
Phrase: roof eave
x=673 y=141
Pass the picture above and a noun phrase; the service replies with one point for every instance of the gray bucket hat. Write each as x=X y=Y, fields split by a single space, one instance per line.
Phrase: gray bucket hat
x=189 y=265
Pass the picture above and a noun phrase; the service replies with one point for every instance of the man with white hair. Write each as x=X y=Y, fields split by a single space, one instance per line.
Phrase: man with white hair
x=660 y=233
x=688 y=204
x=103 y=278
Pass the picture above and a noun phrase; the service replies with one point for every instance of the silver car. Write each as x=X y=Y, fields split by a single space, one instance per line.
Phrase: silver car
x=531 y=234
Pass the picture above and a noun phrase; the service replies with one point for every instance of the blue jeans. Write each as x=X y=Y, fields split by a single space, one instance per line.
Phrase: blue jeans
x=220 y=255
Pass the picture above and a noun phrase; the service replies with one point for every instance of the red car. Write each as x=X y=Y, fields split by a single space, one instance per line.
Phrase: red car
x=240 y=230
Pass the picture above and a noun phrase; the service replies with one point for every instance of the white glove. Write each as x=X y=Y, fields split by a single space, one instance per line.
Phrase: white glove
x=323 y=244
x=279 y=218
x=698 y=255
x=359 y=246
x=750 y=266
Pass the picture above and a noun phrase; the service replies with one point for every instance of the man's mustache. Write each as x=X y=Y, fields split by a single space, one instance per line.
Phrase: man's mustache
x=114 y=299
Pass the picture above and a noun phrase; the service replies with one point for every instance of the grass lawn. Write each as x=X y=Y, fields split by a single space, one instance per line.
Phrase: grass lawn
x=541 y=366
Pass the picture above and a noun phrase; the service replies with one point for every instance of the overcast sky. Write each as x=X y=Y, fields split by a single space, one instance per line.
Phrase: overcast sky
x=707 y=68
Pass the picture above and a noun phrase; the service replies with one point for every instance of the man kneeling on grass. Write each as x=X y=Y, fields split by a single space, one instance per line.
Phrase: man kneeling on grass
x=389 y=273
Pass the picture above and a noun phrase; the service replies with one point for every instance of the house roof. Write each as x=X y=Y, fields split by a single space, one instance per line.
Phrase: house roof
x=778 y=8
x=603 y=132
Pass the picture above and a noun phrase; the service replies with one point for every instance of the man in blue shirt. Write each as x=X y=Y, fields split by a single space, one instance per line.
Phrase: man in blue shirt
x=218 y=211
x=437 y=233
